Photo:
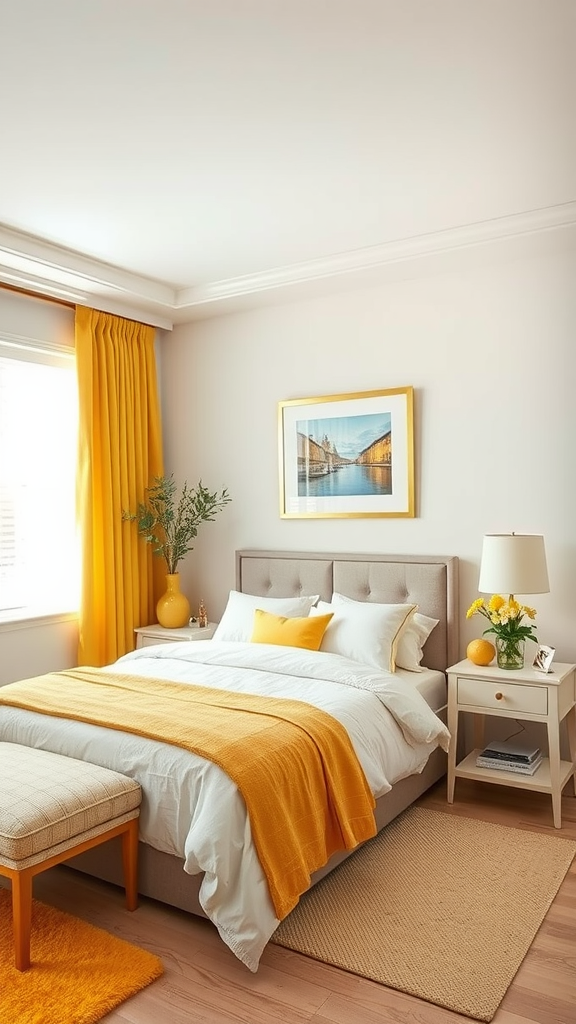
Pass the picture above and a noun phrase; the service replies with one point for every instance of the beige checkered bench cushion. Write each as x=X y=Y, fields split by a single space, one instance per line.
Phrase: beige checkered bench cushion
x=47 y=801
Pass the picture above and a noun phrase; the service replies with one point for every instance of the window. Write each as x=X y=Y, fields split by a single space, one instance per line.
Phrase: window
x=39 y=549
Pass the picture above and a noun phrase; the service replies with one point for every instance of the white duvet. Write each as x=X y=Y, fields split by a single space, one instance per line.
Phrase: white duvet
x=192 y=809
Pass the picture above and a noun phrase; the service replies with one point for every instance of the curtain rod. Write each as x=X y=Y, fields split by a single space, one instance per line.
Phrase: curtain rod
x=66 y=303
x=37 y=295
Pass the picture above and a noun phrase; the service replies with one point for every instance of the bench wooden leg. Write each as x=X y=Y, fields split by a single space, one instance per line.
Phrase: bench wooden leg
x=130 y=863
x=22 y=917
x=22 y=883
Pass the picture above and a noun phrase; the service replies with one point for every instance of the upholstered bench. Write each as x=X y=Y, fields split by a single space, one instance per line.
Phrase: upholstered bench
x=51 y=808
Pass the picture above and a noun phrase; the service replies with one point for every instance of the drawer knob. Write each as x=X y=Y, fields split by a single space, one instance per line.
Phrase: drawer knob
x=499 y=696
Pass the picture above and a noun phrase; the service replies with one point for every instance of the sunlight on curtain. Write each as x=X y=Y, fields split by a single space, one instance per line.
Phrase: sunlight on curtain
x=120 y=451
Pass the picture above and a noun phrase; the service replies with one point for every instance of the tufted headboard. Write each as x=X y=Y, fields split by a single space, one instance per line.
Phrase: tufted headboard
x=430 y=581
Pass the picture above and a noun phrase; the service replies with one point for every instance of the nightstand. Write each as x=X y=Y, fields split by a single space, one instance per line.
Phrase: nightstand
x=147 y=636
x=525 y=695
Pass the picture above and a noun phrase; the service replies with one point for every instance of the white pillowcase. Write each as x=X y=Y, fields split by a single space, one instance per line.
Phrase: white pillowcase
x=409 y=654
x=412 y=638
x=237 y=622
x=365 y=632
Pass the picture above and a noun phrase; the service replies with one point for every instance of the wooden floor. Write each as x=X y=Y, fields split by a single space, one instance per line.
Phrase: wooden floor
x=203 y=981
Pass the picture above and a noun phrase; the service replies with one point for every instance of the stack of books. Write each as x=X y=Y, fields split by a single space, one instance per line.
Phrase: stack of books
x=510 y=756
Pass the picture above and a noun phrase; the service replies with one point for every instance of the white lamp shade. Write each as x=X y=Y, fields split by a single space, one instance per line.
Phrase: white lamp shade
x=513 y=563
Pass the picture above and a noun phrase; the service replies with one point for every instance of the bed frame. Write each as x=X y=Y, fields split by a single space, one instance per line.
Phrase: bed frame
x=430 y=581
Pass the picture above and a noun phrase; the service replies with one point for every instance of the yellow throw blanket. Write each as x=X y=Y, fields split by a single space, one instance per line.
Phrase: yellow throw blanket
x=305 y=791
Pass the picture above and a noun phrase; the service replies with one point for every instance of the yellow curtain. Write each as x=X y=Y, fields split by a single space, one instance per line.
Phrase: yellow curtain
x=120 y=452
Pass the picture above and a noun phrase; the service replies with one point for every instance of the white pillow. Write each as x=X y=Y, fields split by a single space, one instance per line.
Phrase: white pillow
x=237 y=622
x=409 y=654
x=412 y=638
x=365 y=632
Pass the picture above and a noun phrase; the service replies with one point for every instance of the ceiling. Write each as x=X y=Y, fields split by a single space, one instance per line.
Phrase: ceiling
x=177 y=158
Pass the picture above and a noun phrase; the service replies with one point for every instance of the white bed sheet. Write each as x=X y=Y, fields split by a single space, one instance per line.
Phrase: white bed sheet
x=191 y=809
x=430 y=683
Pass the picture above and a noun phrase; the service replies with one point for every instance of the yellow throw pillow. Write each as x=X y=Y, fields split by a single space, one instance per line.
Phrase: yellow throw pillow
x=294 y=632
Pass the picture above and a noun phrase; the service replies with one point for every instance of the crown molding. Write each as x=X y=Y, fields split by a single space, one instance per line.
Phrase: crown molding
x=36 y=265
x=33 y=264
x=360 y=265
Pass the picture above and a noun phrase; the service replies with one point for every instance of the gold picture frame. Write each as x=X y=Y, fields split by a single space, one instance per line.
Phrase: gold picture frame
x=347 y=456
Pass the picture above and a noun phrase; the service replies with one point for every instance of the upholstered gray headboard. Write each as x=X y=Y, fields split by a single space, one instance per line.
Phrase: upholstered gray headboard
x=430 y=581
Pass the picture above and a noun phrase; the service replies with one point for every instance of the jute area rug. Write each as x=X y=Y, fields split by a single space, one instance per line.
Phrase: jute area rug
x=78 y=974
x=441 y=907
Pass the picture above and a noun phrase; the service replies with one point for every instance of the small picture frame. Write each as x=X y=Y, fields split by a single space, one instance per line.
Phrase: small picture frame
x=544 y=658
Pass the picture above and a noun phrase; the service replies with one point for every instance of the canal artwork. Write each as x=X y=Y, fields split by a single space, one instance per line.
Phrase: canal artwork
x=345 y=455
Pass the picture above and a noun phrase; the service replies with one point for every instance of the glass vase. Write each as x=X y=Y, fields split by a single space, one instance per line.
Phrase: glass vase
x=510 y=652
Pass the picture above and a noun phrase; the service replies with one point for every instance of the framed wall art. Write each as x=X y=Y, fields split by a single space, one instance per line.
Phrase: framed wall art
x=347 y=455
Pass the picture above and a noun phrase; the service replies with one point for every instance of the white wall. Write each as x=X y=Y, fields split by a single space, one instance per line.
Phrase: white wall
x=490 y=353
x=489 y=350
x=32 y=648
x=36 y=319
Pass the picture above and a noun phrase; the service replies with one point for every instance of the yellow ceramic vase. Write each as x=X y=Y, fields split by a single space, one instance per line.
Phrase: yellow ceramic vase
x=173 y=608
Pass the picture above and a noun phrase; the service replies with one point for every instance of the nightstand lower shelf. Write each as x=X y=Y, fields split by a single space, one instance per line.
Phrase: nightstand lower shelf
x=540 y=782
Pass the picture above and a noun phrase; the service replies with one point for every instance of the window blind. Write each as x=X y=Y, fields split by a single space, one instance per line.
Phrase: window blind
x=38 y=444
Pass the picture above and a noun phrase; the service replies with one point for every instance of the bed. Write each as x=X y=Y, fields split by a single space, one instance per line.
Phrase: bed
x=247 y=921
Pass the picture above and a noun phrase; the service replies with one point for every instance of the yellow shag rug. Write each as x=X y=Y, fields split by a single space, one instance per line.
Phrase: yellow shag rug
x=78 y=974
x=441 y=907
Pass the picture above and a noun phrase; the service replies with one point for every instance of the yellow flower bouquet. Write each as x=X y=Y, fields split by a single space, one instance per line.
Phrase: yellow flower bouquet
x=505 y=617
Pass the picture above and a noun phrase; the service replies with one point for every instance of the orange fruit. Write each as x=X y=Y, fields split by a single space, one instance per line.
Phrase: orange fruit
x=480 y=652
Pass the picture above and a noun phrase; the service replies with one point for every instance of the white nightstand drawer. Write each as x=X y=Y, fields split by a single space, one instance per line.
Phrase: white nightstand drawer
x=503 y=696
x=149 y=636
x=151 y=641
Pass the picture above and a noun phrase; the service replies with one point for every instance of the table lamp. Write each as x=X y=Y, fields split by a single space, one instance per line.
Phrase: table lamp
x=513 y=563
